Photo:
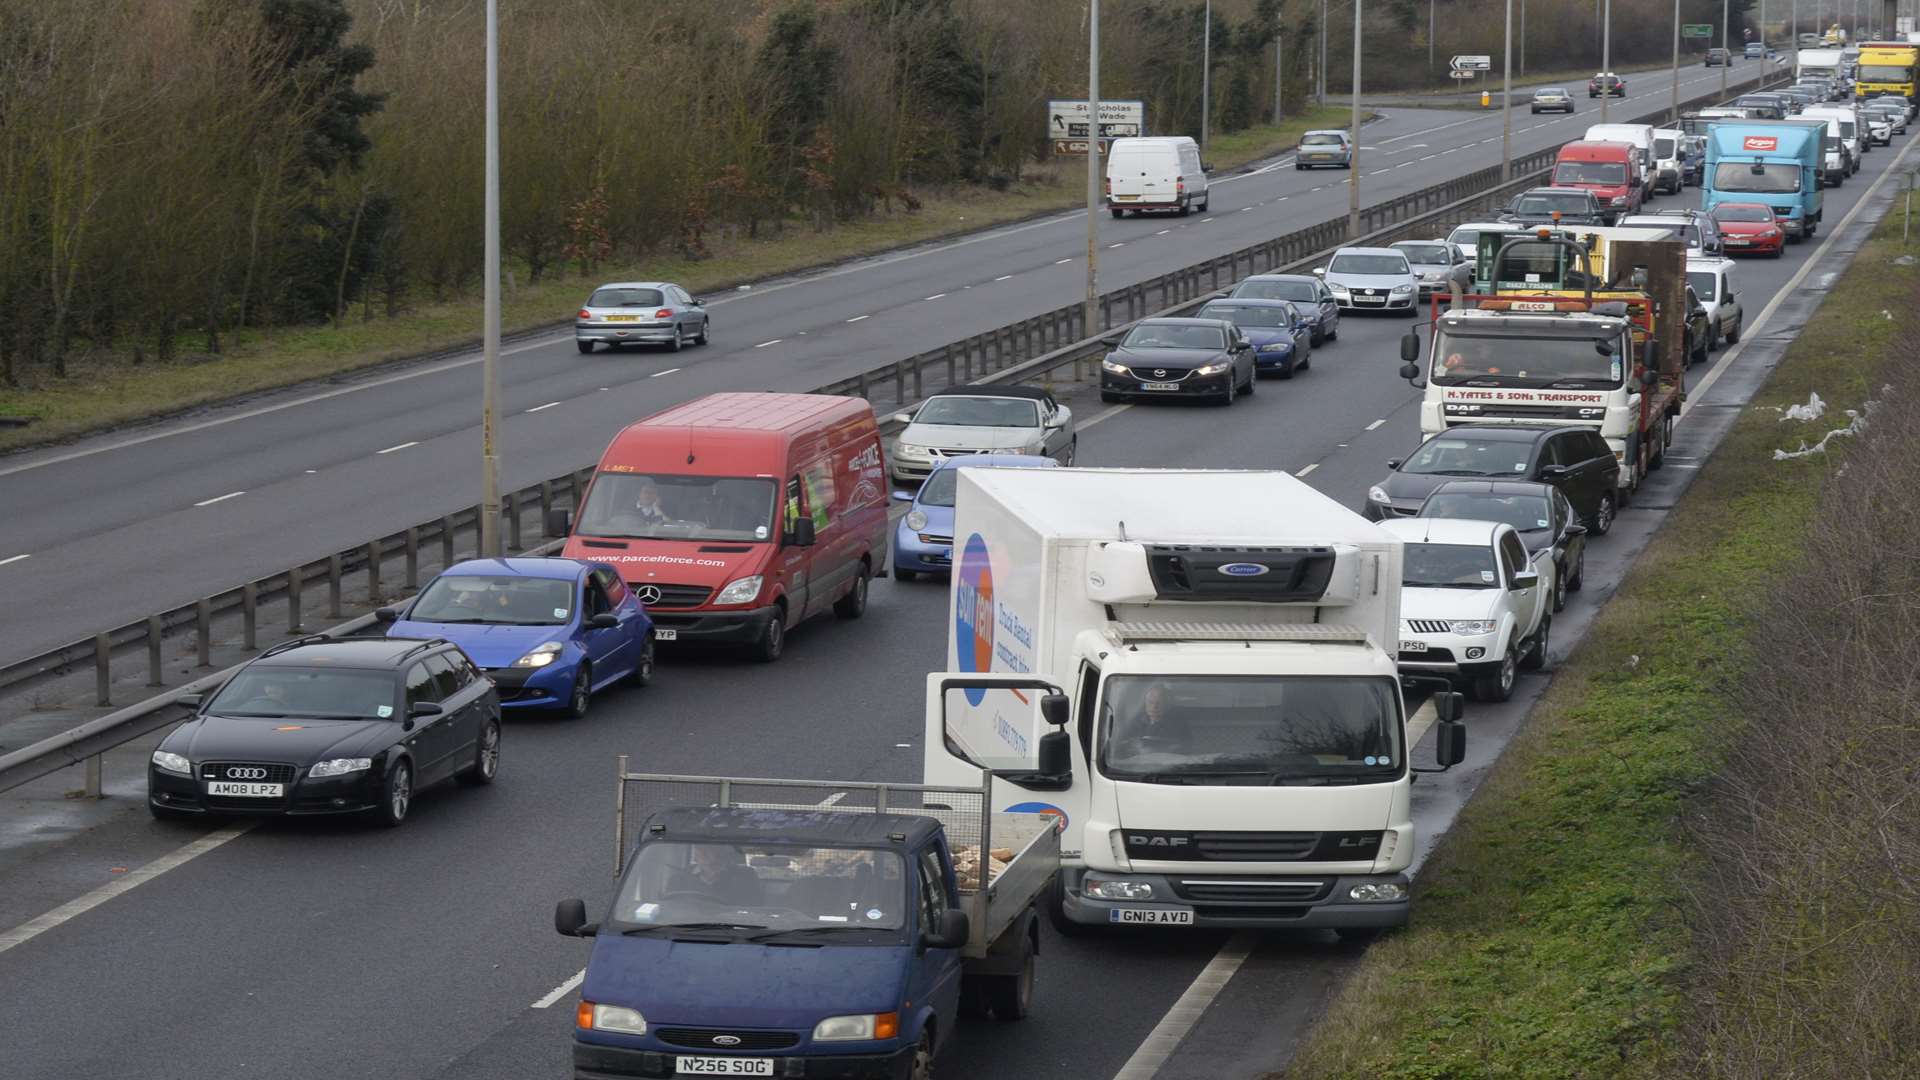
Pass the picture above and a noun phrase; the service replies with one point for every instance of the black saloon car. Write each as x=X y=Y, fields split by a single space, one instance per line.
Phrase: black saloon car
x=1574 y=459
x=325 y=725
x=1178 y=358
x=1540 y=513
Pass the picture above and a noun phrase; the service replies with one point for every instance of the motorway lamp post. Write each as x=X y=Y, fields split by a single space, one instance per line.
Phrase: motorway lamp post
x=1430 y=24
x=490 y=332
x=1606 y=52
x=1726 y=60
x=1279 y=77
x=1353 y=174
x=1675 y=115
x=1089 y=327
x=1506 y=106
x=1206 y=75
x=1320 y=93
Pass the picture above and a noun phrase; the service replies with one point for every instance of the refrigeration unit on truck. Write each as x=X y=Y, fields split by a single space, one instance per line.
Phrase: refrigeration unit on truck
x=1227 y=641
x=1586 y=328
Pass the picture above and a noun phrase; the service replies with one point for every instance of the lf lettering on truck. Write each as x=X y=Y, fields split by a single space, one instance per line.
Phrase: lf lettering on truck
x=1227 y=645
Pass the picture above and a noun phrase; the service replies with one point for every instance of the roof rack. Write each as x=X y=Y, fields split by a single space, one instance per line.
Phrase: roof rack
x=310 y=639
x=1122 y=633
x=422 y=644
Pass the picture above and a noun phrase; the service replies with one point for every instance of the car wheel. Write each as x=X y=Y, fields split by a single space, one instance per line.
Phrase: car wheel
x=705 y=326
x=1559 y=589
x=1536 y=657
x=1601 y=523
x=1011 y=996
x=1206 y=204
x=643 y=668
x=1733 y=335
x=486 y=756
x=1334 y=334
x=1578 y=577
x=1073 y=451
x=678 y=341
x=580 y=697
x=1227 y=396
x=1253 y=376
x=583 y=346
x=904 y=575
x=854 y=604
x=396 y=795
x=922 y=1066
x=1186 y=208
x=773 y=640
x=1499 y=685
x=1299 y=167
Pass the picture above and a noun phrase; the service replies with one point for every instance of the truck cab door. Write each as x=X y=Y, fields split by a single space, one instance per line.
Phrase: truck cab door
x=936 y=977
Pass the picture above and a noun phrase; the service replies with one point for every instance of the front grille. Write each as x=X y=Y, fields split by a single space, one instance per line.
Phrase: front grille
x=1431 y=656
x=948 y=451
x=1158 y=374
x=1254 y=846
x=1429 y=626
x=935 y=538
x=1251 y=891
x=703 y=1039
x=276 y=773
x=677 y=596
x=1456 y=415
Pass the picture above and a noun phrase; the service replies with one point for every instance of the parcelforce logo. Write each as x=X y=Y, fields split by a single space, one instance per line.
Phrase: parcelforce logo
x=1760 y=142
x=248 y=772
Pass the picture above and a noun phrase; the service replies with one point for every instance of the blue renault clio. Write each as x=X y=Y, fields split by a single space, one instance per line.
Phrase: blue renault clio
x=548 y=632
x=923 y=539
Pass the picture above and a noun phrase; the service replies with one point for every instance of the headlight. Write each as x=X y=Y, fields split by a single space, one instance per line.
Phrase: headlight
x=610 y=1018
x=1119 y=890
x=1212 y=369
x=1473 y=626
x=865 y=1027
x=1617 y=200
x=742 y=591
x=174 y=763
x=1117 y=369
x=1338 y=290
x=541 y=655
x=1400 y=290
x=1378 y=892
x=340 y=766
x=1276 y=346
x=909 y=450
x=1377 y=495
x=916 y=521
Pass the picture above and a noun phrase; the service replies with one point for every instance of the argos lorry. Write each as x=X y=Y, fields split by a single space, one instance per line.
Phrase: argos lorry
x=1776 y=162
x=1226 y=645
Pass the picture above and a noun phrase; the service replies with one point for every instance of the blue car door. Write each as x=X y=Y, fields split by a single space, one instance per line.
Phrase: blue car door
x=634 y=624
x=936 y=979
x=603 y=645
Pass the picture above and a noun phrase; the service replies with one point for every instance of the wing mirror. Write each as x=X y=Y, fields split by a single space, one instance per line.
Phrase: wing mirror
x=387 y=614
x=1552 y=472
x=1450 y=742
x=559 y=523
x=903 y=496
x=1055 y=755
x=1525 y=579
x=1409 y=347
x=570 y=919
x=1394 y=462
x=1053 y=709
x=802 y=534
x=902 y=418
x=424 y=708
x=191 y=701
x=1648 y=378
x=1319 y=271
x=603 y=621
x=1111 y=342
x=952 y=933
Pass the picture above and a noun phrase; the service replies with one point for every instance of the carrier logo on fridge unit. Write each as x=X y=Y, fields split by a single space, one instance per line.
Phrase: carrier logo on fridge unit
x=1243 y=569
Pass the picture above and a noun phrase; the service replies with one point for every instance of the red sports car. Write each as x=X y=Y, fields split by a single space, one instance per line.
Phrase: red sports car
x=1749 y=228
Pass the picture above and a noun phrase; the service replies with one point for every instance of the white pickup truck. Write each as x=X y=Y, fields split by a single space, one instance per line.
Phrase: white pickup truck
x=1473 y=604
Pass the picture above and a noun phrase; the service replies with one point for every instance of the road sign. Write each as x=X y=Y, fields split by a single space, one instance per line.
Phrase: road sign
x=1472 y=63
x=1702 y=30
x=1078 y=147
x=1461 y=74
x=1118 y=119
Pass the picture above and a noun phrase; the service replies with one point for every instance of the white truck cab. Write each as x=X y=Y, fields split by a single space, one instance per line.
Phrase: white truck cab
x=1239 y=743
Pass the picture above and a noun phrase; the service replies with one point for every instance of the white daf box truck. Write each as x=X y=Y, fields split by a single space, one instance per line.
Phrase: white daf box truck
x=1215 y=653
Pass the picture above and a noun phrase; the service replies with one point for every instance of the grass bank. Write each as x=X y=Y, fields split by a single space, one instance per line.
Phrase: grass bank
x=1560 y=927
x=107 y=389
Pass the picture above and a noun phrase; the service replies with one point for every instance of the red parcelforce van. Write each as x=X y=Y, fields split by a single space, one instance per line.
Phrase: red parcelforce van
x=1611 y=170
x=735 y=517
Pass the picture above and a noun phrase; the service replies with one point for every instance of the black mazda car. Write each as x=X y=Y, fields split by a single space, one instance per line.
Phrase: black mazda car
x=1539 y=512
x=1173 y=358
x=325 y=725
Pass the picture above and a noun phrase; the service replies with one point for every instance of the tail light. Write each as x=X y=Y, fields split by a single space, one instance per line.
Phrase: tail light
x=584 y=314
x=1106 y=186
x=663 y=313
x=1179 y=185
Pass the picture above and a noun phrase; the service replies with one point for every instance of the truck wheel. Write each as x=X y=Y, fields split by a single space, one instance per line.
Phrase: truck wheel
x=773 y=640
x=854 y=604
x=922 y=1068
x=1117 y=212
x=1010 y=996
x=1536 y=657
x=973 y=998
x=1499 y=685
x=1602 y=520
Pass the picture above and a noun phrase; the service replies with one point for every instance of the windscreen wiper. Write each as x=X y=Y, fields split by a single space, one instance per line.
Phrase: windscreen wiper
x=693 y=926
x=770 y=935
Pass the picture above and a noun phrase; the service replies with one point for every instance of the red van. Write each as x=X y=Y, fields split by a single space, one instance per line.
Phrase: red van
x=736 y=517
x=1611 y=170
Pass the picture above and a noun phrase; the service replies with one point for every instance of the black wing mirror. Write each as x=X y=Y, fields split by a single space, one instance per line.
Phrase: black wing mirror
x=802 y=534
x=1055 y=754
x=387 y=614
x=425 y=708
x=1649 y=377
x=952 y=933
x=603 y=621
x=1409 y=347
x=1053 y=709
x=570 y=919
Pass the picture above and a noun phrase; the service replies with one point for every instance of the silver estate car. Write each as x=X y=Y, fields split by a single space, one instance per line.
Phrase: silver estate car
x=640 y=313
x=1318 y=148
x=1555 y=98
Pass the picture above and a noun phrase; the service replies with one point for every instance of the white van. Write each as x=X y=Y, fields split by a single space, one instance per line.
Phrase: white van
x=1639 y=135
x=1161 y=173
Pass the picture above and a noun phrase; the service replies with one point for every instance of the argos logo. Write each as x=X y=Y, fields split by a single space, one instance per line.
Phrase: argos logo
x=1760 y=142
x=973 y=619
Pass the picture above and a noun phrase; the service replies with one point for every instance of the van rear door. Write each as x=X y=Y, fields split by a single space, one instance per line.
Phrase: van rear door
x=1139 y=173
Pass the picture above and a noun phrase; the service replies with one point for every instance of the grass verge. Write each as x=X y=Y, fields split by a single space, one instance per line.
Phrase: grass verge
x=1552 y=934
x=104 y=390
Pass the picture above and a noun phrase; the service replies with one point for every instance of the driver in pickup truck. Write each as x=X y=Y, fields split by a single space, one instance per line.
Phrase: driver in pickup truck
x=719 y=873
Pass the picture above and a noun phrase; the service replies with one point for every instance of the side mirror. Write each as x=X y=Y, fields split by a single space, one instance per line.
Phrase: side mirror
x=1111 y=342
x=697 y=302
x=424 y=708
x=1053 y=709
x=1648 y=377
x=1525 y=579
x=570 y=919
x=559 y=523
x=1320 y=271
x=1394 y=462
x=1056 y=422
x=1448 y=705
x=1055 y=755
x=1450 y=742
x=1206 y=166
x=802 y=535
x=903 y=496
x=1552 y=472
x=1409 y=347
x=1410 y=371
x=191 y=701
x=952 y=933
x=386 y=615
x=902 y=418
x=603 y=621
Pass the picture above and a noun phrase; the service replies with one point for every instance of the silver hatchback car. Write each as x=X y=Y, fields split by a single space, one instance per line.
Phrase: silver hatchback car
x=640 y=313
x=1328 y=147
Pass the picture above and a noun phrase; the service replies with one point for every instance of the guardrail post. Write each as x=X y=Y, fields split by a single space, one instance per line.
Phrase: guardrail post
x=513 y=521
x=295 y=578
x=860 y=385
x=91 y=790
x=154 y=629
x=947 y=351
x=899 y=382
x=1106 y=313
x=250 y=615
x=446 y=541
x=102 y=670
x=413 y=549
x=333 y=586
x=546 y=507
x=203 y=630
x=373 y=572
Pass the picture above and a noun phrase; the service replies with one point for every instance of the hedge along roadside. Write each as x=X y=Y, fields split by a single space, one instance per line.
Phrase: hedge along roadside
x=988 y=358
x=1553 y=937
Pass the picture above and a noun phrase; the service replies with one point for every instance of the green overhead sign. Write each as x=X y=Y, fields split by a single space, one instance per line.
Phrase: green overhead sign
x=1704 y=30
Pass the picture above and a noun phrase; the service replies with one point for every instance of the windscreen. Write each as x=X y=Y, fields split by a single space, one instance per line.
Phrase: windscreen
x=1879 y=73
x=504 y=600
x=1243 y=315
x=271 y=692
x=1742 y=212
x=1250 y=730
x=1458 y=455
x=769 y=887
x=1300 y=291
x=639 y=506
x=1175 y=336
x=1368 y=264
x=1323 y=140
x=1846 y=129
x=1664 y=148
x=1449 y=566
x=626 y=298
x=1543 y=205
x=1702 y=282
x=1763 y=178
x=1524 y=512
x=940 y=487
x=1566 y=363
x=1426 y=254
x=1590 y=172
x=979 y=412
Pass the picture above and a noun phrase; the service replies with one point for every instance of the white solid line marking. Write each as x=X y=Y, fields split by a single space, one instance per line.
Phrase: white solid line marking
x=764 y=344
x=1375 y=424
x=391 y=449
x=1004 y=277
x=565 y=988
x=1308 y=469
x=33 y=928
x=548 y=405
x=935 y=296
x=14 y=558
x=220 y=498
x=857 y=318
x=1244 y=209
x=1159 y=1044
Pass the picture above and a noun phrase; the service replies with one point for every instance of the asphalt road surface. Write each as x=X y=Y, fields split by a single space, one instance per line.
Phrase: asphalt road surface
x=308 y=949
x=109 y=529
